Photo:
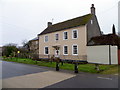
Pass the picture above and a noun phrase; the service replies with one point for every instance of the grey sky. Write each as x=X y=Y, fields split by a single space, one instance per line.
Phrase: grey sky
x=24 y=19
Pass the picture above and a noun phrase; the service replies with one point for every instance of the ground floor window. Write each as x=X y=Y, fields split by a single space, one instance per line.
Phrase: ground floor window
x=46 y=50
x=75 y=49
x=65 y=50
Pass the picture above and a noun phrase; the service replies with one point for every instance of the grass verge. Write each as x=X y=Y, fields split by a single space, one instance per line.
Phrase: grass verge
x=90 y=68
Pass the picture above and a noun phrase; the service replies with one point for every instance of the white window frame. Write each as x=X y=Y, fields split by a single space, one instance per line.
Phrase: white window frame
x=64 y=50
x=73 y=34
x=55 y=37
x=73 y=51
x=64 y=37
x=44 y=50
x=91 y=21
x=45 y=38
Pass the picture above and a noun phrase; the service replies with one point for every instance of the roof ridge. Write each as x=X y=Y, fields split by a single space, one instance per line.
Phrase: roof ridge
x=78 y=21
x=72 y=19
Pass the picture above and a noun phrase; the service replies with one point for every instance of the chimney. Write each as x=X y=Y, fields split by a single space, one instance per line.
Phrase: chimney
x=49 y=24
x=113 y=29
x=93 y=9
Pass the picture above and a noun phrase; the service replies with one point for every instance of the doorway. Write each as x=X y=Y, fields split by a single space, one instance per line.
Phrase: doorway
x=57 y=53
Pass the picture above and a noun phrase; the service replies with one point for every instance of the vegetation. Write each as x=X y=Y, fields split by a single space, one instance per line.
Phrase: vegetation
x=104 y=69
x=9 y=50
x=113 y=70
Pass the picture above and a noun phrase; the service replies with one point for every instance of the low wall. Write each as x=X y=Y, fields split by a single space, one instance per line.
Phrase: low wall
x=66 y=57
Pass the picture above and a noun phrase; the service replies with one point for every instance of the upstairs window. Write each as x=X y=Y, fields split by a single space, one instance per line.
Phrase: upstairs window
x=46 y=39
x=91 y=21
x=75 y=49
x=65 y=35
x=46 y=51
x=65 y=50
x=74 y=34
x=56 y=37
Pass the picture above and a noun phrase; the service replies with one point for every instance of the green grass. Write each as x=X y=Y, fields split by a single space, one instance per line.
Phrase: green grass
x=112 y=70
x=90 y=68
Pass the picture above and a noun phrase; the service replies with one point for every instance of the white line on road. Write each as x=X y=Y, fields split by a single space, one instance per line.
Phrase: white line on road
x=105 y=78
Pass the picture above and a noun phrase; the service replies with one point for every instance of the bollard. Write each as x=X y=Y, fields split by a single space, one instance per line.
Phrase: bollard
x=57 y=66
x=76 y=68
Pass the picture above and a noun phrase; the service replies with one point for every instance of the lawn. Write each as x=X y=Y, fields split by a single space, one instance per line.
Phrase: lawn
x=90 y=68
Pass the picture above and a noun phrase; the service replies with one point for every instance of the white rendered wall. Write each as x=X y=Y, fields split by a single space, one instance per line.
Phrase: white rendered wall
x=114 y=54
x=100 y=54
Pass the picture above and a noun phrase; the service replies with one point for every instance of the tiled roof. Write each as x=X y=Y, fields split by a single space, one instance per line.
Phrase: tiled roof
x=68 y=24
x=109 y=39
x=36 y=38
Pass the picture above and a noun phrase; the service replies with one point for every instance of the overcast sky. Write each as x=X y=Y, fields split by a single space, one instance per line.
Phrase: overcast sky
x=23 y=19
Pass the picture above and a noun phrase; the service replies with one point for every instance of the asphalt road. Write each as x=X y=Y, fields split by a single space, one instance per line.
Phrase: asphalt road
x=11 y=69
x=81 y=80
x=88 y=81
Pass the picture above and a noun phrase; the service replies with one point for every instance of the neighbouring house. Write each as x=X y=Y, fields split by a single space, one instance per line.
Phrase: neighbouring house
x=33 y=45
x=68 y=40
x=107 y=40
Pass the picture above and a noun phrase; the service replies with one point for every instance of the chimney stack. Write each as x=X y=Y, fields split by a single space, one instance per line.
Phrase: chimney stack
x=113 y=29
x=93 y=9
x=49 y=24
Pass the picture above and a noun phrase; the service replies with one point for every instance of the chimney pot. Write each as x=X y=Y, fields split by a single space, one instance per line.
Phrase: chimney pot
x=49 y=24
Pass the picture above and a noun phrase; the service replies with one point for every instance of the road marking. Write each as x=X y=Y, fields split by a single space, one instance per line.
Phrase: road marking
x=38 y=80
x=105 y=78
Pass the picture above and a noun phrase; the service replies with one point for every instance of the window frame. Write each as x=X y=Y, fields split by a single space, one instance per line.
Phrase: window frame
x=64 y=50
x=55 y=37
x=64 y=35
x=45 y=38
x=73 y=48
x=73 y=34
x=45 y=51
x=91 y=21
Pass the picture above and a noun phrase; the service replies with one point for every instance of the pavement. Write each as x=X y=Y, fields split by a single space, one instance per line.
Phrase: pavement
x=39 y=80
x=30 y=76
x=16 y=75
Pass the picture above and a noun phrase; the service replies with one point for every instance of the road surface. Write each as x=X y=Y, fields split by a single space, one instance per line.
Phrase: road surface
x=31 y=76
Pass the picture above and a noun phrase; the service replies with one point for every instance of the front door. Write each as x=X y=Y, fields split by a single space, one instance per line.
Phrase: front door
x=57 y=53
